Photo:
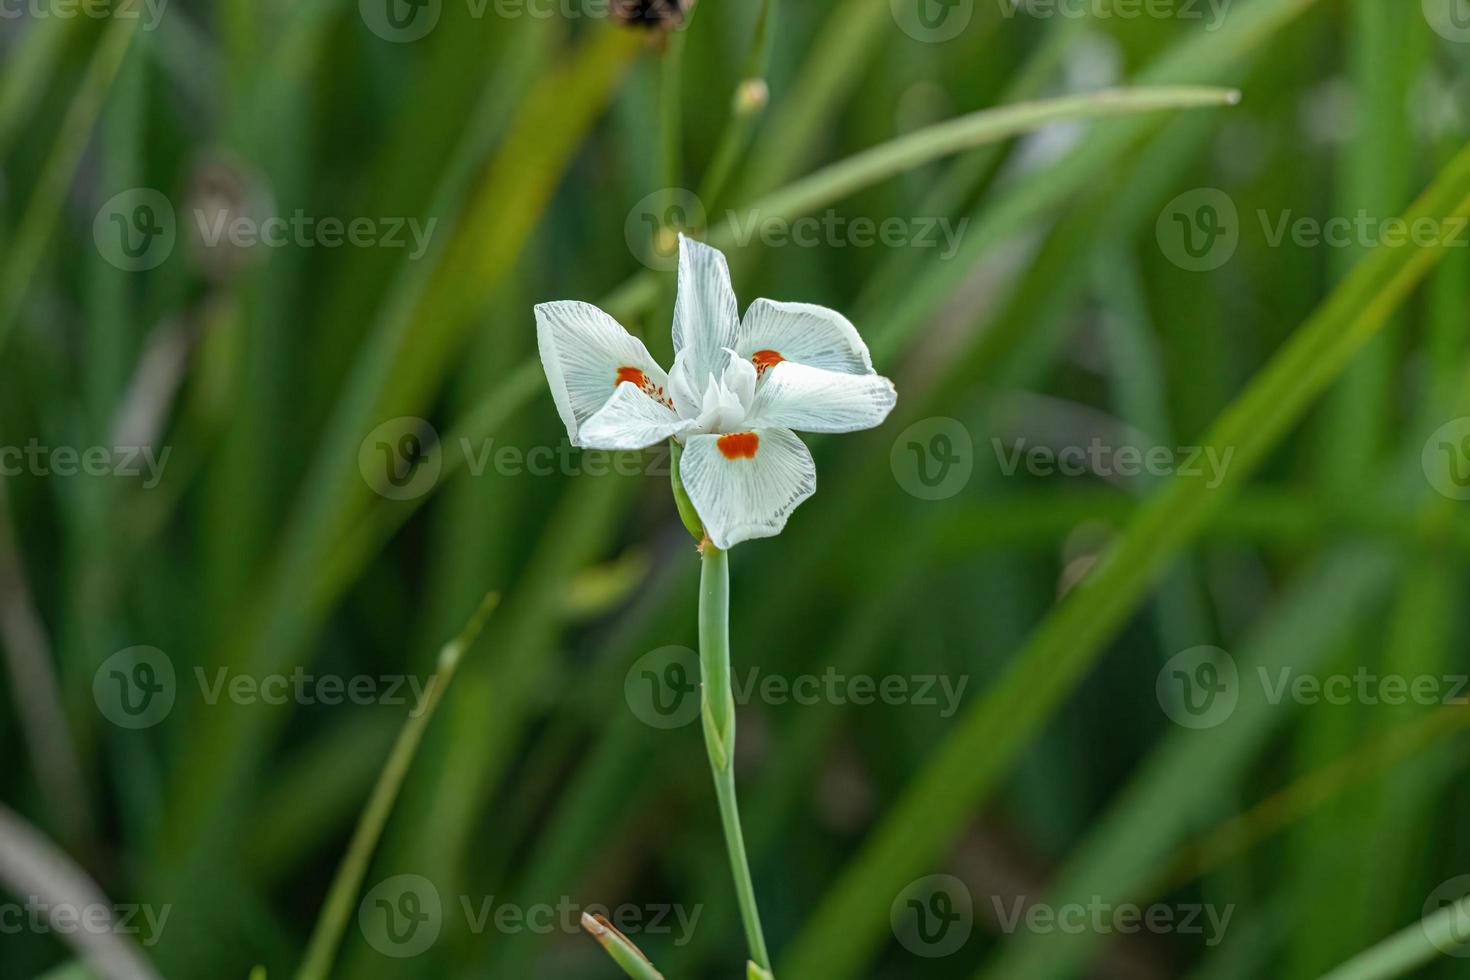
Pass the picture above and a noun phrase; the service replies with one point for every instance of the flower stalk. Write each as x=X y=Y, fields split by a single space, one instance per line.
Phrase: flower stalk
x=717 y=710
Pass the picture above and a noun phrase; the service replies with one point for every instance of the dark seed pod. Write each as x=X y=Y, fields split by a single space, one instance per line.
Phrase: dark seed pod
x=651 y=14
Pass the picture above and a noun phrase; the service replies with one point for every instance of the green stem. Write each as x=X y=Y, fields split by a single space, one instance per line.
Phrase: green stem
x=718 y=712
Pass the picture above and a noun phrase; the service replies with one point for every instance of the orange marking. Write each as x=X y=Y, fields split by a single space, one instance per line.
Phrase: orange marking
x=739 y=445
x=765 y=359
x=633 y=375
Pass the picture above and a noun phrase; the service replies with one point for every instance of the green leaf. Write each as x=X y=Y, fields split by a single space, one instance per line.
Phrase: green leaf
x=618 y=946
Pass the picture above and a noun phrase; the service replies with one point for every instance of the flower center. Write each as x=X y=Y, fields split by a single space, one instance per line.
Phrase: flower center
x=721 y=409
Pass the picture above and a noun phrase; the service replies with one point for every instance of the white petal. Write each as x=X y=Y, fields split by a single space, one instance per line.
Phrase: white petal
x=631 y=420
x=685 y=389
x=706 y=319
x=796 y=396
x=745 y=485
x=805 y=334
x=583 y=351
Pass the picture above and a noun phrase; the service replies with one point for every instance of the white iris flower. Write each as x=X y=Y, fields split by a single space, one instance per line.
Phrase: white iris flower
x=737 y=390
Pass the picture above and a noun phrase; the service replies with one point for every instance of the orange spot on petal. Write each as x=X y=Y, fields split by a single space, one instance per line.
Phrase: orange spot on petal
x=739 y=445
x=633 y=375
x=765 y=359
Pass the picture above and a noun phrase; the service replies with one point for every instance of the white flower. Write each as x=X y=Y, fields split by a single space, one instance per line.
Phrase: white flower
x=737 y=390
